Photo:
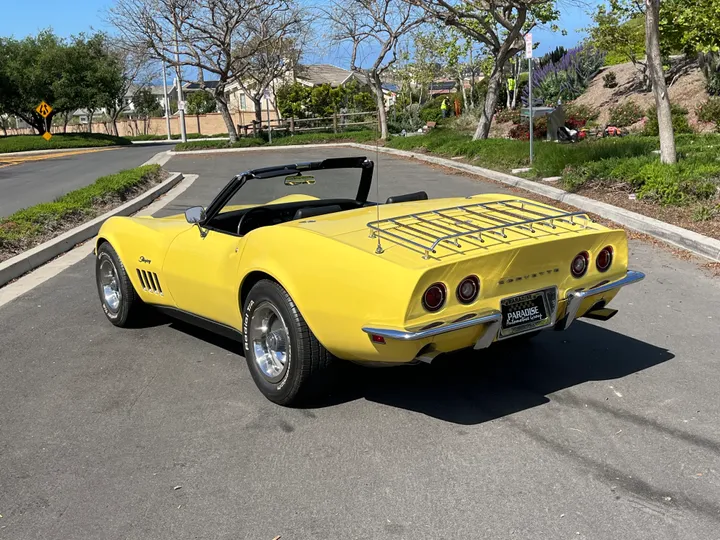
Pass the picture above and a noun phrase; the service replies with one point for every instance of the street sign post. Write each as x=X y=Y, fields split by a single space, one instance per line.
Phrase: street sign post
x=266 y=94
x=44 y=110
x=528 y=55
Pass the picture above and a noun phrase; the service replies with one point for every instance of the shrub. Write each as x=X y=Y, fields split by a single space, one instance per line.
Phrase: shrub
x=626 y=114
x=567 y=78
x=576 y=116
x=610 y=80
x=679 y=121
x=710 y=111
x=706 y=212
x=522 y=131
x=508 y=115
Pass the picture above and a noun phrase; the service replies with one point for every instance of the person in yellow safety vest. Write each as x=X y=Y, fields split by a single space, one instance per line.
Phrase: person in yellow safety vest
x=511 y=84
x=444 y=108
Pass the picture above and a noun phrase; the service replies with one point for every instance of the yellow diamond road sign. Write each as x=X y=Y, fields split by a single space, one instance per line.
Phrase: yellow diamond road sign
x=44 y=109
x=47 y=135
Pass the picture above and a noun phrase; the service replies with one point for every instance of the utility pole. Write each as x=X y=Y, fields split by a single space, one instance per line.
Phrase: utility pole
x=166 y=100
x=181 y=103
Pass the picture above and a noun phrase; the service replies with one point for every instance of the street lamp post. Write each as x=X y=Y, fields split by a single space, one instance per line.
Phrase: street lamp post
x=181 y=104
x=166 y=101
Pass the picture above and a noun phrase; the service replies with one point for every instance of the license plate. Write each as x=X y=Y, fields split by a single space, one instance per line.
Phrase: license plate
x=524 y=312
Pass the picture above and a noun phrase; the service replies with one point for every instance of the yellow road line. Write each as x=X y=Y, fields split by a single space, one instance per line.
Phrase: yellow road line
x=11 y=160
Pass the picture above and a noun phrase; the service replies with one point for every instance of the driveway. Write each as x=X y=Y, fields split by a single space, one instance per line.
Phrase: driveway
x=606 y=431
x=46 y=177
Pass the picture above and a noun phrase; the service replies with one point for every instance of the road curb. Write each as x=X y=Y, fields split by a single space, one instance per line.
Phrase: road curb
x=39 y=255
x=672 y=234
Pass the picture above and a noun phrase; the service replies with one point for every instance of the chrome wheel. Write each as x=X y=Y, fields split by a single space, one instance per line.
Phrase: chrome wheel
x=269 y=341
x=110 y=284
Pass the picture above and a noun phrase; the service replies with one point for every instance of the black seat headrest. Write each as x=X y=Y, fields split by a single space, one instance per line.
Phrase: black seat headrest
x=316 y=211
x=417 y=196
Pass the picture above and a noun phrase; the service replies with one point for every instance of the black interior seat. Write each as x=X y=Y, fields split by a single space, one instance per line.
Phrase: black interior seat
x=316 y=211
x=417 y=196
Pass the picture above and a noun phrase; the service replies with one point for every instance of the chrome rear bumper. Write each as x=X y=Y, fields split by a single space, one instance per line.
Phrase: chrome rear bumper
x=492 y=318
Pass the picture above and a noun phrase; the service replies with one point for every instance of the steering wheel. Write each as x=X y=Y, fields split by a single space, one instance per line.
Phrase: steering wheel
x=249 y=219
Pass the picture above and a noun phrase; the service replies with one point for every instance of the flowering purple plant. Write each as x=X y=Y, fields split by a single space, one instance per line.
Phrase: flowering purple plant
x=567 y=78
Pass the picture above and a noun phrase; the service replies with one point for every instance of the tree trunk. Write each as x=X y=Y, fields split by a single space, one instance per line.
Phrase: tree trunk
x=90 y=120
x=227 y=117
x=657 y=77
x=380 y=100
x=516 y=73
x=258 y=108
x=483 y=127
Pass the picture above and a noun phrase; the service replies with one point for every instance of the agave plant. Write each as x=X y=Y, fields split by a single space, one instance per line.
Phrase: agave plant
x=567 y=78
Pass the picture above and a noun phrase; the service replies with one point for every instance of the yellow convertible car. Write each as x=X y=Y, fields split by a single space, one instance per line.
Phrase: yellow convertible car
x=303 y=279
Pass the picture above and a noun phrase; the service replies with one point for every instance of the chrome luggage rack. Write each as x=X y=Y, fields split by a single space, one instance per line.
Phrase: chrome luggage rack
x=425 y=231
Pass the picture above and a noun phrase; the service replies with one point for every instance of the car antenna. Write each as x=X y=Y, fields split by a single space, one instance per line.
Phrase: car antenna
x=379 y=248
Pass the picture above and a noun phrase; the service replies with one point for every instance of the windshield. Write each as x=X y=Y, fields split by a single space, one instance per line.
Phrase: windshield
x=319 y=184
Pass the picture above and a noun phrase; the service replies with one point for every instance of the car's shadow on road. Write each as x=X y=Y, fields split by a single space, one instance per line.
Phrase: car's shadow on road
x=472 y=387
x=476 y=386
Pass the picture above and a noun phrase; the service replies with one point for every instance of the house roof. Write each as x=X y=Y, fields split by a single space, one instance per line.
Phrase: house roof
x=209 y=85
x=441 y=85
x=317 y=74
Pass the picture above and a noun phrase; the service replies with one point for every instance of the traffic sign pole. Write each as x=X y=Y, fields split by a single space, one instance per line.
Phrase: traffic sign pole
x=528 y=55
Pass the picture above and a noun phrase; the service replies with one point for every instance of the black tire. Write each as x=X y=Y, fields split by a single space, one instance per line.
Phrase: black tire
x=307 y=362
x=130 y=306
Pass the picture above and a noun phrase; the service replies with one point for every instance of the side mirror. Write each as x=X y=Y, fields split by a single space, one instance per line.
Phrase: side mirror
x=195 y=215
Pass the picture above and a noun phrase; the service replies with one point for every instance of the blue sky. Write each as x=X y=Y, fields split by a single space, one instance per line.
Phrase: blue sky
x=68 y=17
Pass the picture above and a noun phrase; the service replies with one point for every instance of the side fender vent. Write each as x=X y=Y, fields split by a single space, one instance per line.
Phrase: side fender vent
x=150 y=281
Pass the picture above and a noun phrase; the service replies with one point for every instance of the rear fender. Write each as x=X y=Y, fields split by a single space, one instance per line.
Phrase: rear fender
x=336 y=287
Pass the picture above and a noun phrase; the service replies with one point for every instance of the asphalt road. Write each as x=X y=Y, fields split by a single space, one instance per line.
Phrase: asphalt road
x=606 y=431
x=34 y=182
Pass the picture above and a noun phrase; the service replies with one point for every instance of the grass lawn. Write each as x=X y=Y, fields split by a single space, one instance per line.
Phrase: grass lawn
x=629 y=163
x=303 y=138
x=23 y=143
x=31 y=226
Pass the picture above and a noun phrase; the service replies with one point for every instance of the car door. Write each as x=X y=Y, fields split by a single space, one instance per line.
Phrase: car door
x=201 y=273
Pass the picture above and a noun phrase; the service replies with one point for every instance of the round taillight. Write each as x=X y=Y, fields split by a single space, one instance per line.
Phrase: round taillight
x=468 y=289
x=604 y=258
x=579 y=264
x=434 y=297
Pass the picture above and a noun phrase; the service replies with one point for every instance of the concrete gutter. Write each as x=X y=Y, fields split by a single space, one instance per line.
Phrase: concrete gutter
x=39 y=255
x=672 y=234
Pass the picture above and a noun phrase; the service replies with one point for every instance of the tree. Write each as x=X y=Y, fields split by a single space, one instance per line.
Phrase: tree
x=31 y=71
x=211 y=36
x=271 y=58
x=499 y=28
x=201 y=103
x=374 y=28
x=293 y=99
x=620 y=31
x=657 y=77
x=145 y=106
x=68 y=76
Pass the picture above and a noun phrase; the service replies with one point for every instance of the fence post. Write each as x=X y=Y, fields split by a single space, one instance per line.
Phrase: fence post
x=335 y=122
x=292 y=125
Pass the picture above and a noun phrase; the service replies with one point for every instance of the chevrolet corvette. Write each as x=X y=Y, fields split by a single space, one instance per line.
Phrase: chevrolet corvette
x=303 y=280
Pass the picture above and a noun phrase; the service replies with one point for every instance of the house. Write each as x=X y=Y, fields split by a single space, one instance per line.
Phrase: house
x=438 y=88
x=305 y=74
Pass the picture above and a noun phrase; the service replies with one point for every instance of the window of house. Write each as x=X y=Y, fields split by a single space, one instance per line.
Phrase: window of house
x=243 y=102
